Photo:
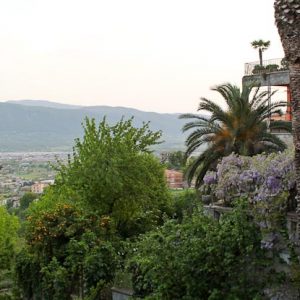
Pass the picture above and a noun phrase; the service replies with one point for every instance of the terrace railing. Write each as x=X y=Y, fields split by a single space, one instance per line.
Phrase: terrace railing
x=269 y=66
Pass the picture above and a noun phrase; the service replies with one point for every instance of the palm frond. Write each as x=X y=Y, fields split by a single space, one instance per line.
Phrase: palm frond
x=240 y=128
x=269 y=138
x=198 y=134
x=261 y=97
x=229 y=92
x=195 y=124
x=201 y=165
x=194 y=145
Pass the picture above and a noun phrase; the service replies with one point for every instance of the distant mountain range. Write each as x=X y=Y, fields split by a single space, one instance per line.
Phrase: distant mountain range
x=32 y=125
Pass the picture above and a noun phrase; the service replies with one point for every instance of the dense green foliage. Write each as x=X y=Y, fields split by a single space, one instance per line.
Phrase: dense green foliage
x=240 y=128
x=111 y=188
x=199 y=259
x=26 y=199
x=109 y=208
x=183 y=203
x=68 y=252
x=113 y=173
x=9 y=226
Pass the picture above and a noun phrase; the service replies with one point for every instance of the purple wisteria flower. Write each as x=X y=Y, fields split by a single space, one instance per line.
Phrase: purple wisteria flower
x=259 y=178
x=210 y=178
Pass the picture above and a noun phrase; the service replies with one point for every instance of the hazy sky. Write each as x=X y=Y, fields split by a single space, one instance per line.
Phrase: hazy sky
x=154 y=55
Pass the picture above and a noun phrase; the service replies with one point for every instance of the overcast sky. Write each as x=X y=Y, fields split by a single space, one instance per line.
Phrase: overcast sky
x=154 y=55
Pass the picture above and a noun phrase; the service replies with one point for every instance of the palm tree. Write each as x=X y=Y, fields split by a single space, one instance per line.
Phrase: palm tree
x=261 y=46
x=287 y=17
x=242 y=128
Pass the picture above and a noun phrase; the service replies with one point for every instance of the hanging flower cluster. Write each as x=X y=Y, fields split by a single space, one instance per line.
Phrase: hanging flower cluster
x=258 y=178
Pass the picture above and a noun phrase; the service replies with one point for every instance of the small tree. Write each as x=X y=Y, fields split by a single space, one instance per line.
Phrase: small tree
x=261 y=46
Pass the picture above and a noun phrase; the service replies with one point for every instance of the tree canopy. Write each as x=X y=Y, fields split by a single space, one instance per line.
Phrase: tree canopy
x=261 y=45
x=113 y=172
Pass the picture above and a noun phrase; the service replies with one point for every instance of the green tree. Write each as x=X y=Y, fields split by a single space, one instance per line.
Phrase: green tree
x=67 y=252
x=176 y=160
x=113 y=172
x=261 y=46
x=242 y=127
x=26 y=199
x=111 y=188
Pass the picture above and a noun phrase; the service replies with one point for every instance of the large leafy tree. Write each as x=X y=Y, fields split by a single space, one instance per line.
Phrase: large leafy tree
x=287 y=17
x=113 y=172
x=243 y=127
x=261 y=45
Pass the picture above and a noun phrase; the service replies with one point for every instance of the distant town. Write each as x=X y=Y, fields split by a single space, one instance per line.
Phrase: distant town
x=26 y=172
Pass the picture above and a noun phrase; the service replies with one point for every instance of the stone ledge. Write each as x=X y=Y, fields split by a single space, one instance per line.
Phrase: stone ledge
x=279 y=78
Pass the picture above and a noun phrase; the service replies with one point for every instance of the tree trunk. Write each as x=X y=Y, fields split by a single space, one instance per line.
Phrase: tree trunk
x=295 y=91
x=287 y=17
x=260 y=57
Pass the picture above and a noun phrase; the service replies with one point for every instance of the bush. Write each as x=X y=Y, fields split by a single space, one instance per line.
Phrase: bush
x=199 y=259
x=184 y=202
x=67 y=252
x=272 y=68
x=258 y=69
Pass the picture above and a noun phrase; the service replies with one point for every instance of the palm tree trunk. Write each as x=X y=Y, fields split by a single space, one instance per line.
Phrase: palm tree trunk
x=260 y=57
x=295 y=91
x=287 y=17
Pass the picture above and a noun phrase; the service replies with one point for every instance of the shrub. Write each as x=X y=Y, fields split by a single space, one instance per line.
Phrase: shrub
x=67 y=252
x=199 y=259
x=184 y=202
x=258 y=69
x=272 y=68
